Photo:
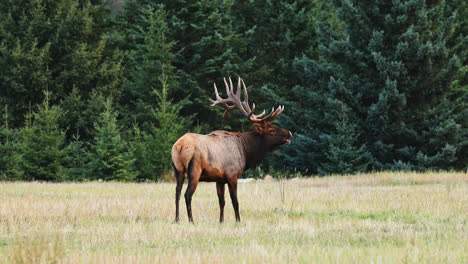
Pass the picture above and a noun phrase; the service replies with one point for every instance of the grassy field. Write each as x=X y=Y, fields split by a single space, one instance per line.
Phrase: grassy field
x=379 y=218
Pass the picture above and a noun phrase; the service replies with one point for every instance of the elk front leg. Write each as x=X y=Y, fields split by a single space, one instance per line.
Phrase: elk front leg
x=220 y=190
x=232 y=184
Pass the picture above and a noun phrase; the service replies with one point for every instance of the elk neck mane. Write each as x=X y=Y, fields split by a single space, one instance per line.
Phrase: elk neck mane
x=255 y=149
x=254 y=146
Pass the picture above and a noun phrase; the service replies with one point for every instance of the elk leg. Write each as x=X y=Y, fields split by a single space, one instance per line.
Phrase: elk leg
x=232 y=184
x=180 y=183
x=220 y=190
x=193 y=177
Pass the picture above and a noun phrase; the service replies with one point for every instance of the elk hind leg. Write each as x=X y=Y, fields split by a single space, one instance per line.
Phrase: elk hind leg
x=179 y=175
x=220 y=190
x=193 y=174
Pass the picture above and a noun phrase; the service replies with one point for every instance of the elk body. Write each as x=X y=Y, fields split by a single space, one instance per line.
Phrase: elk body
x=223 y=156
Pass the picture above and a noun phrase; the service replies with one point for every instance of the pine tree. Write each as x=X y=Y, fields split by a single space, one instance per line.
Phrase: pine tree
x=24 y=59
x=393 y=70
x=168 y=126
x=41 y=149
x=311 y=114
x=80 y=114
x=110 y=158
x=8 y=149
x=77 y=161
x=212 y=50
x=152 y=149
x=151 y=50
x=206 y=48
x=55 y=44
x=152 y=146
x=343 y=155
x=456 y=10
x=458 y=42
x=276 y=32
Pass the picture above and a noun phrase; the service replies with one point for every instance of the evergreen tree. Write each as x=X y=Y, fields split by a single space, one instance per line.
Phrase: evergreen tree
x=311 y=114
x=343 y=156
x=393 y=70
x=8 y=149
x=168 y=128
x=41 y=150
x=54 y=44
x=77 y=161
x=209 y=49
x=458 y=41
x=206 y=46
x=276 y=33
x=456 y=10
x=110 y=158
x=80 y=114
x=24 y=61
x=77 y=120
x=152 y=147
x=151 y=54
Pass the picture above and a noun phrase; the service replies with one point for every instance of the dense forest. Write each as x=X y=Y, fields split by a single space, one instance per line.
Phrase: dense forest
x=102 y=89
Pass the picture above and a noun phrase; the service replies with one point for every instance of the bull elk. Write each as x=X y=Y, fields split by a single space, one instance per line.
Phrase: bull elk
x=223 y=156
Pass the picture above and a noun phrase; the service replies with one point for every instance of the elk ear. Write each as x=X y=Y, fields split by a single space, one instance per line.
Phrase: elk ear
x=261 y=128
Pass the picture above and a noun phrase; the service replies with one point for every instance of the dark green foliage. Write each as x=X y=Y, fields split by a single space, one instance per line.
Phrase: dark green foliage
x=393 y=71
x=151 y=78
x=367 y=85
x=24 y=70
x=343 y=155
x=311 y=116
x=77 y=161
x=151 y=55
x=167 y=129
x=209 y=49
x=41 y=150
x=110 y=157
x=80 y=114
x=55 y=45
x=206 y=46
x=276 y=33
x=457 y=10
x=152 y=149
x=458 y=42
x=8 y=149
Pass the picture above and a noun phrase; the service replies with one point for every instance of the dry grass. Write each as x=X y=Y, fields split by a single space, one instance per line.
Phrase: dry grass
x=383 y=217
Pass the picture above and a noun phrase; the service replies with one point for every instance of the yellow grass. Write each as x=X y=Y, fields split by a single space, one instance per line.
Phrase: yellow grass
x=379 y=218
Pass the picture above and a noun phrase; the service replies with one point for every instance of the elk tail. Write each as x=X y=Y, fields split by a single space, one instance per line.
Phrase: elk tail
x=189 y=170
x=176 y=172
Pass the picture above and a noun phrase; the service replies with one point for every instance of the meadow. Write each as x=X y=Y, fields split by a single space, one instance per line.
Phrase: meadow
x=395 y=217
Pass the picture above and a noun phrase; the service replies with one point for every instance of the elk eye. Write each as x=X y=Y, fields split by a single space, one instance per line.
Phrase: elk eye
x=272 y=132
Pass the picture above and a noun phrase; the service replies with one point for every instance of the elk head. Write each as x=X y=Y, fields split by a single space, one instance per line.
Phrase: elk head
x=273 y=136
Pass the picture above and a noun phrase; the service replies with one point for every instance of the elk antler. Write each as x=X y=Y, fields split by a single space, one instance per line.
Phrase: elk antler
x=235 y=100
